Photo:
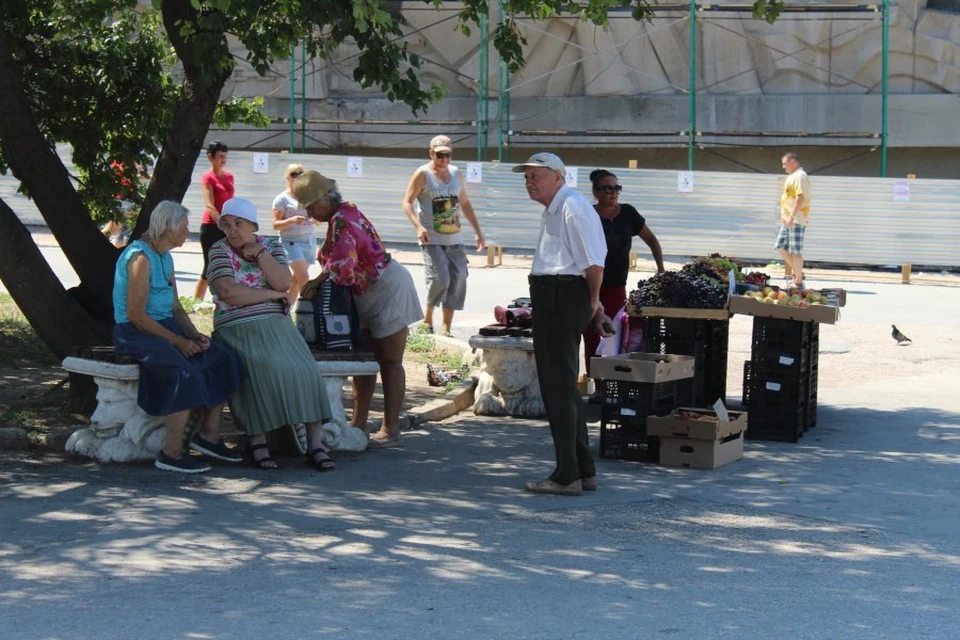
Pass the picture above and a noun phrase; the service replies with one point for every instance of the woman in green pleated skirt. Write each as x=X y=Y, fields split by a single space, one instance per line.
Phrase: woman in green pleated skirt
x=250 y=281
x=283 y=385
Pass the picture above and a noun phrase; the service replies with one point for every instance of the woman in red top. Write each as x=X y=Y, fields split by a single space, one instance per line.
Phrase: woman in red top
x=217 y=188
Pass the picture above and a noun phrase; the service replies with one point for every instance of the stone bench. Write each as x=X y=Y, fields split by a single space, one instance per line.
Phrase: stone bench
x=120 y=431
x=507 y=383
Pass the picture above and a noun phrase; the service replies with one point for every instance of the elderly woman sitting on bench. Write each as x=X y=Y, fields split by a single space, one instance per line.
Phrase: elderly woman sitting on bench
x=179 y=367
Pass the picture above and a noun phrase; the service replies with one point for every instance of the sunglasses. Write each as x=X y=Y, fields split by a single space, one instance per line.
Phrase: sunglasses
x=610 y=188
x=441 y=154
x=295 y=174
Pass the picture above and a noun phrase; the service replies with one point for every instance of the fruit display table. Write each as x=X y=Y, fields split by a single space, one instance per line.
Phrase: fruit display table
x=507 y=382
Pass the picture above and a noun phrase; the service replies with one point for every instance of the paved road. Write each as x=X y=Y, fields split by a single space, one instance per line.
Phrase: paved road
x=850 y=533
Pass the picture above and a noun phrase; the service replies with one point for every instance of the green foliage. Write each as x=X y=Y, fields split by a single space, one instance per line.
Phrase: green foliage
x=95 y=75
x=768 y=10
x=248 y=111
x=10 y=417
x=189 y=304
x=420 y=342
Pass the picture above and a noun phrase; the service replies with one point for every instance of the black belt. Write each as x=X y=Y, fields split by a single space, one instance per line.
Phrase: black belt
x=554 y=278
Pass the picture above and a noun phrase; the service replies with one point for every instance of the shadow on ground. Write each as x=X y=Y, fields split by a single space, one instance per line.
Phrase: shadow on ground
x=848 y=533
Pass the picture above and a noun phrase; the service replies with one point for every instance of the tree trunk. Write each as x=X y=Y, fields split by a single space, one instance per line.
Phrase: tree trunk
x=191 y=120
x=35 y=163
x=60 y=321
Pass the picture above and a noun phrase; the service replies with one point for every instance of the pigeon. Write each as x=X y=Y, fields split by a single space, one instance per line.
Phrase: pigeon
x=899 y=337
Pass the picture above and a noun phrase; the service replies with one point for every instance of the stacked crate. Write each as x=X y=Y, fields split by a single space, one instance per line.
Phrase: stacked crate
x=704 y=339
x=625 y=406
x=780 y=379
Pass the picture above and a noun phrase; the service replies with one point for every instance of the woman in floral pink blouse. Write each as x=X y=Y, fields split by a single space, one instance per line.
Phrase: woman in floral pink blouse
x=386 y=297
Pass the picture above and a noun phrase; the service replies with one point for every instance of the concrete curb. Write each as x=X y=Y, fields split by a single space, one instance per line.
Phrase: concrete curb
x=455 y=400
x=13 y=439
x=450 y=405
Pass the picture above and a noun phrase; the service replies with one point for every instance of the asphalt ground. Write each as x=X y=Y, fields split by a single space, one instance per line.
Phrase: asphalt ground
x=849 y=533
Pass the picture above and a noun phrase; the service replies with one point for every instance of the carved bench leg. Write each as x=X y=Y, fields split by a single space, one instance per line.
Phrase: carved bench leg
x=337 y=435
x=120 y=431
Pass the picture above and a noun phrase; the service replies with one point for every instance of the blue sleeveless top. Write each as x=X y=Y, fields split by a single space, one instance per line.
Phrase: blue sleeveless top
x=160 y=299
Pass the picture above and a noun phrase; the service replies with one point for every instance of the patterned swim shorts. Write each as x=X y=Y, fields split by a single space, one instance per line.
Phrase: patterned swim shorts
x=791 y=238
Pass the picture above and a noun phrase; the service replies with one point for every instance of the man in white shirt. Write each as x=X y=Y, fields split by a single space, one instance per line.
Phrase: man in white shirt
x=565 y=294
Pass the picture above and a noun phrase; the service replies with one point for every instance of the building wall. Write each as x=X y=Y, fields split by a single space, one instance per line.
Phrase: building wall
x=811 y=80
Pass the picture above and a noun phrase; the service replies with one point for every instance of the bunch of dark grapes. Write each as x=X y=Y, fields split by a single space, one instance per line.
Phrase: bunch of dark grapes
x=705 y=270
x=678 y=289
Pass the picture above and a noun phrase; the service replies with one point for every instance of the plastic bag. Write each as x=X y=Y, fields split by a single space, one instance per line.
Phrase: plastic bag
x=610 y=345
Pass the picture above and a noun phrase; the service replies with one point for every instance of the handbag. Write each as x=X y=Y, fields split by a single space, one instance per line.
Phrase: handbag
x=329 y=321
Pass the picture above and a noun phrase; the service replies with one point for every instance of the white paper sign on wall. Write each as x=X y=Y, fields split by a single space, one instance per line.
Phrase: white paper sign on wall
x=901 y=191
x=354 y=167
x=261 y=163
x=474 y=172
x=685 y=181
x=572 y=176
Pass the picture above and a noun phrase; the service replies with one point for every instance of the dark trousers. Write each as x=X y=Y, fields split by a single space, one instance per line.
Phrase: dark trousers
x=209 y=234
x=561 y=310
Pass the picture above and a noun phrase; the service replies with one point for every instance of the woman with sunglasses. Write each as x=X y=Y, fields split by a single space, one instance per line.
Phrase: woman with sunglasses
x=621 y=222
x=296 y=233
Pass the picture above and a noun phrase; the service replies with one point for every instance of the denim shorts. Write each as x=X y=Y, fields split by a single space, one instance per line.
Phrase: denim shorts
x=300 y=249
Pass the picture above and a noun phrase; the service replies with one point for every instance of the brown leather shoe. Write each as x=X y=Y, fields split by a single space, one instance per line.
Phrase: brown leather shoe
x=589 y=484
x=551 y=487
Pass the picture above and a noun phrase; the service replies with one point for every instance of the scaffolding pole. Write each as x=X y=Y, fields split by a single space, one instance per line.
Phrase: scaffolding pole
x=692 y=99
x=295 y=72
x=503 y=99
x=293 y=93
x=885 y=68
x=303 y=97
x=483 y=93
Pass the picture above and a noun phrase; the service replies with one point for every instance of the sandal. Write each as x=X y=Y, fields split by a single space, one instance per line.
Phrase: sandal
x=266 y=462
x=381 y=439
x=323 y=463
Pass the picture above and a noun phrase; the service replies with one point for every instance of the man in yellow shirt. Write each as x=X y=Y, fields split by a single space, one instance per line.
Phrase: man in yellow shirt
x=794 y=215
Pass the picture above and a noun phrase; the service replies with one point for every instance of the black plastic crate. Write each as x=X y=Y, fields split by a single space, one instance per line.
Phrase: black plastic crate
x=642 y=398
x=705 y=340
x=626 y=439
x=778 y=335
x=775 y=420
x=794 y=361
x=811 y=413
x=747 y=381
x=794 y=385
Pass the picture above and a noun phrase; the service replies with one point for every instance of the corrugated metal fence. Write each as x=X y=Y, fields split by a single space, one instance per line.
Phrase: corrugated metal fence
x=853 y=220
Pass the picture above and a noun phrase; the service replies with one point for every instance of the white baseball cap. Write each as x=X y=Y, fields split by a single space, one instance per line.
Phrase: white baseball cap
x=542 y=159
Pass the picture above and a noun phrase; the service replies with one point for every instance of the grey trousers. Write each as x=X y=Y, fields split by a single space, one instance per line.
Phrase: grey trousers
x=561 y=311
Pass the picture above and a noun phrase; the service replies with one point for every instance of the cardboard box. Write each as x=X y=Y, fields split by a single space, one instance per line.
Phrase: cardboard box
x=823 y=313
x=702 y=444
x=642 y=367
